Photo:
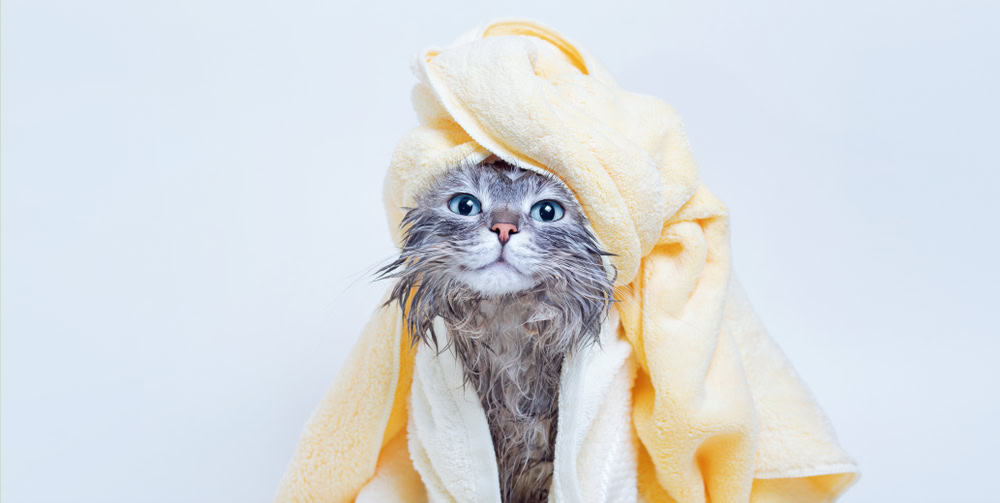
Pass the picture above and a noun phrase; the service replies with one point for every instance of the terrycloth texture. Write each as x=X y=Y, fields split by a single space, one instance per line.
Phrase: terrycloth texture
x=719 y=413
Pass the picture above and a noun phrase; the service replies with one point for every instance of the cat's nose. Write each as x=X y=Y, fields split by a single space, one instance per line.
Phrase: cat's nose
x=504 y=231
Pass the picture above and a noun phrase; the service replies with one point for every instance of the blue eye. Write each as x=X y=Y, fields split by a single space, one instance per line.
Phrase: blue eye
x=547 y=211
x=465 y=205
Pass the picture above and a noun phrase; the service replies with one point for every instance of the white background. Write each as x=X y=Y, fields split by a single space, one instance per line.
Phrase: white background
x=191 y=210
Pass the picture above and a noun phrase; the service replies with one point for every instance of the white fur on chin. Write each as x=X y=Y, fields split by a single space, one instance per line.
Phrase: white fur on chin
x=496 y=279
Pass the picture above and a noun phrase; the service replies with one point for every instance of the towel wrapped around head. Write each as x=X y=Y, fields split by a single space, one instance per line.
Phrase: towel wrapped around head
x=719 y=413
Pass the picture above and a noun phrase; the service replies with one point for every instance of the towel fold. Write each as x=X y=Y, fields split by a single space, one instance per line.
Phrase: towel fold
x=719 y=413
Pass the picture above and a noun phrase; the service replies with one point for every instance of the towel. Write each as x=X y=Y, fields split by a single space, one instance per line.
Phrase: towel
x=718 y=413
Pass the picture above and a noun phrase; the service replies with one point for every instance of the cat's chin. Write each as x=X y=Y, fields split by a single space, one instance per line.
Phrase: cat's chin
x=496 y=279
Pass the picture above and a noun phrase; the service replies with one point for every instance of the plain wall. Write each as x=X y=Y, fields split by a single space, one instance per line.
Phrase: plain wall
x=191 y=210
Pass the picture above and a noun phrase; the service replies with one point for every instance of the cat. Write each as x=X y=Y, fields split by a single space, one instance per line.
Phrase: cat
x=506 y=257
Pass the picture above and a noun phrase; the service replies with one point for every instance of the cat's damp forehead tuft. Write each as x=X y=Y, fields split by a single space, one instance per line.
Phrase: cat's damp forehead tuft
x=511 y=173
x=497 y=180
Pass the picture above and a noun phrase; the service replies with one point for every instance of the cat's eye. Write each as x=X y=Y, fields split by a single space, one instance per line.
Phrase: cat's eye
x=465 y=205
x=547 y=211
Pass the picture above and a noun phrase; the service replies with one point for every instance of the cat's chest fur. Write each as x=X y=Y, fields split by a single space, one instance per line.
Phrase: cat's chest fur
x=512 y=350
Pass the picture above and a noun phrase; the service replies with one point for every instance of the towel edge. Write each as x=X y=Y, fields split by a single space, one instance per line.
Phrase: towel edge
x=812 y=471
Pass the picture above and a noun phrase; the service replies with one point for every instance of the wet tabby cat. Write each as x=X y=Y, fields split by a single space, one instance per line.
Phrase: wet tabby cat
x=505 y=256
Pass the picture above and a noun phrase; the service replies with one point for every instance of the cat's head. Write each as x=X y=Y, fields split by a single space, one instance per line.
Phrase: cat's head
x=491 y=230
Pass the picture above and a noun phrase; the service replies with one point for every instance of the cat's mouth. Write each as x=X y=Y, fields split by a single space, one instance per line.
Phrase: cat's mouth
x=500 y=264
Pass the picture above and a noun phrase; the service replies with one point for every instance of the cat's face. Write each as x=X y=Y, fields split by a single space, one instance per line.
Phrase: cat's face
x=497 y=230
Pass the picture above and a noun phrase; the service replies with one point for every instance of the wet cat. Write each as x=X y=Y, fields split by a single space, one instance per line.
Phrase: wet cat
x=506 y=258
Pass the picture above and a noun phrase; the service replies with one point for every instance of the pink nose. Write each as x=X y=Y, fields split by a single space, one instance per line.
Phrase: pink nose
x=504 y=231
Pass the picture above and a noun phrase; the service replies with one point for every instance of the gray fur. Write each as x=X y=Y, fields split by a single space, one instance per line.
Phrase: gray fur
x=511 y=334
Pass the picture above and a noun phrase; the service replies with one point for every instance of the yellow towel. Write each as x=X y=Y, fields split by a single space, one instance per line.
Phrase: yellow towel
x=719 y=413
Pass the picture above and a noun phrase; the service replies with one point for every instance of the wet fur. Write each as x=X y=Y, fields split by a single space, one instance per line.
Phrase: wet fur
x=512 y=334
